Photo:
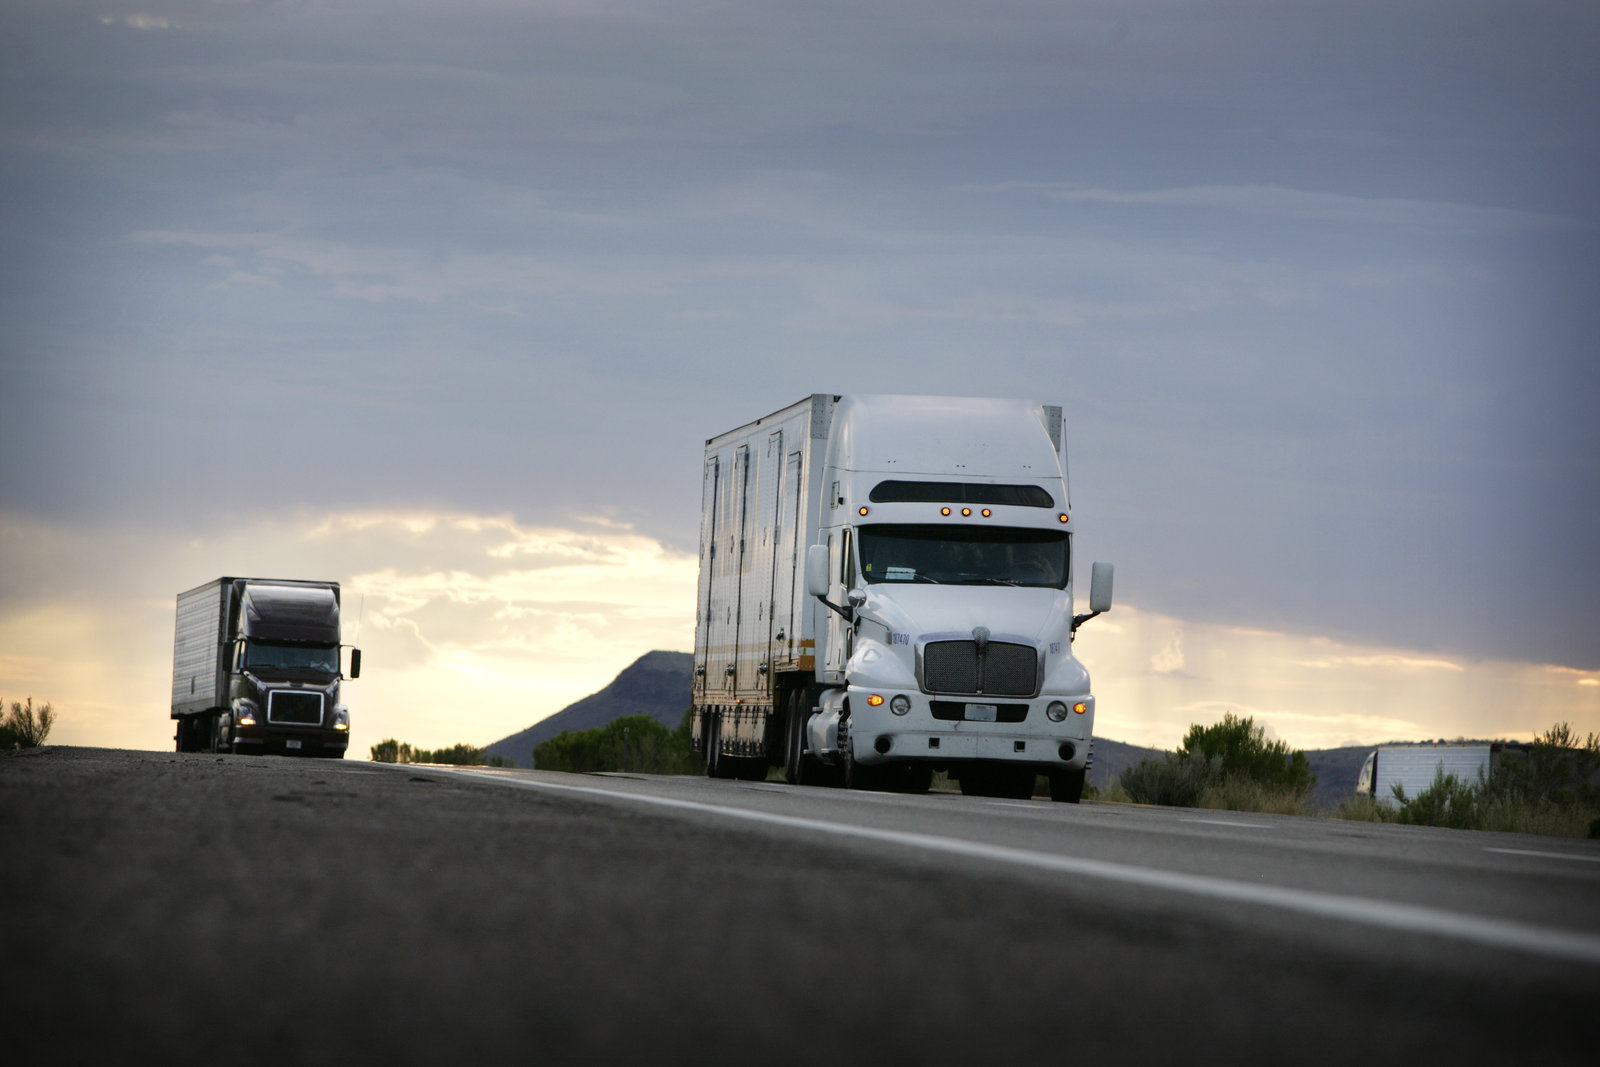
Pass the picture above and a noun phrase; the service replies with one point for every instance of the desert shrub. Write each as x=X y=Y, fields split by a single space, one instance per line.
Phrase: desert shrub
x=1245 y=754
x=391 y=751
x=1174 y=779
x=1235 y=792
x=24 y=726
x=462 y=755
x=634 y=743
x=1362 y=809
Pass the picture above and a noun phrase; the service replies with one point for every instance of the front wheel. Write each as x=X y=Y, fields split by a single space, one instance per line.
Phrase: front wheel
x=794 y=748
x=1066 y=786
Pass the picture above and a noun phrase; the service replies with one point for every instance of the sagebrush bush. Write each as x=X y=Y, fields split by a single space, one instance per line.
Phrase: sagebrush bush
x=1171 y=779
x=634 y=743
x=1245 y=753
x=1233 y=792
x=24 y=726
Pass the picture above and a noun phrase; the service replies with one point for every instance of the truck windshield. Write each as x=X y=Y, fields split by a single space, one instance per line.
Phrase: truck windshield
x=268 y=655
x=964 y=555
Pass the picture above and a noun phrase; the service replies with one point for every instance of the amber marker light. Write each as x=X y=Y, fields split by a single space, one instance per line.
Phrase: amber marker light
x=874 y=700
x=986 y=513
x=944 y=511
x=1062 y=516
x=1080 y=707
x=966 y=511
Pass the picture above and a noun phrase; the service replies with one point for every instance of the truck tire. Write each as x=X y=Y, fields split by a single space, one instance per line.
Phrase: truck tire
x=711 y=742
x=717 y=764
x=794 y=748
x=860 y=775
x=1066 y=786
x=997 y=780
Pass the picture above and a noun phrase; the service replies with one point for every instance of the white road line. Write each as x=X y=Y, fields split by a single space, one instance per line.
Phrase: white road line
x=1225 y=822
x=1411 y=918
x=1550 y=855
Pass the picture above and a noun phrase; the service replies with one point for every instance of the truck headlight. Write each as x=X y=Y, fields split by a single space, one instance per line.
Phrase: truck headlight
x=900 y=704
x=1057 y=711
x=244 y=713
x=341 y=717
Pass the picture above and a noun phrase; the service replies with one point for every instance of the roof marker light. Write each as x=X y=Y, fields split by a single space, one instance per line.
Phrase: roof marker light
x=863 y=509
x=987 y=513
x=966 y=511
x=944 y=511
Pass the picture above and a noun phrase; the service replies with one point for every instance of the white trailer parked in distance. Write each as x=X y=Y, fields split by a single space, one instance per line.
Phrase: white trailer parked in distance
x=885 y=590
x=1415 y=766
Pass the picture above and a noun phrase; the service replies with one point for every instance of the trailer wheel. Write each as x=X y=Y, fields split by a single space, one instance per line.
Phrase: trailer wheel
x=711 y=741
x=1066 y=786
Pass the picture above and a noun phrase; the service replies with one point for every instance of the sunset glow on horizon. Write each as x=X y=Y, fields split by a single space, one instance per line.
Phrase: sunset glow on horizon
x=473 y=627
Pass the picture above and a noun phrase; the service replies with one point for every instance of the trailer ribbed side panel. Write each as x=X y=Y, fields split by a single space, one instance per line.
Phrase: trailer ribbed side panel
x=197 y=646
x=1415 y=766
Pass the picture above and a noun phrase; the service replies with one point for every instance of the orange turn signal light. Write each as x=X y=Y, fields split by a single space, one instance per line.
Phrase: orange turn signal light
x=1080 y=707
x=874 y=700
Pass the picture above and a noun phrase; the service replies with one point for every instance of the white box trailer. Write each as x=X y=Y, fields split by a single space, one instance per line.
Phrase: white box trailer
x=886 y=589
x=1414 y=766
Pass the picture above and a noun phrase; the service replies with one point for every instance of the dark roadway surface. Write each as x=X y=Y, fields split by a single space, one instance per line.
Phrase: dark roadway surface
x=166 y=908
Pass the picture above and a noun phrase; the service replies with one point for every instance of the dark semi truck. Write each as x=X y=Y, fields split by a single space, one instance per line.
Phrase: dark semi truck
x=256 y=668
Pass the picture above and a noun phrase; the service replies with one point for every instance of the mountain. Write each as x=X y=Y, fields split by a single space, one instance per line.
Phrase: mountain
x=1110 y=758
x=658 y=684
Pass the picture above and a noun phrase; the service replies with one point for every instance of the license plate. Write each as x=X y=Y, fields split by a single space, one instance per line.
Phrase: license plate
x=982 y=712
x=291 y=744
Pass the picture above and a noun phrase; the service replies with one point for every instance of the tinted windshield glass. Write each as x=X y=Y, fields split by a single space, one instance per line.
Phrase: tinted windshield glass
x=1029 y=496
x=964 y=555
x=267 y=655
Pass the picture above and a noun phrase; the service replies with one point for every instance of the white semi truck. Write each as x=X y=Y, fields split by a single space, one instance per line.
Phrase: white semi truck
x=886 y=590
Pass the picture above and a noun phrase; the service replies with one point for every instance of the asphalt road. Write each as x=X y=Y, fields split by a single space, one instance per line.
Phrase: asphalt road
x=186 y=908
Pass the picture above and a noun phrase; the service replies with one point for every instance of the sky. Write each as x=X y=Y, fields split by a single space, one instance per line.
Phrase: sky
x=442 y=299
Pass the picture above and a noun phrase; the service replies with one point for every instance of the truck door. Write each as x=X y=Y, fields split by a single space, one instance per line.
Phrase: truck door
x=739 y=559
x=715 y=622
x=840 y=633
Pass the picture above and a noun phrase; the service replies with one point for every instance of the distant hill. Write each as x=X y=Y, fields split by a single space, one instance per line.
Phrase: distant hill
x=658 y=684
x=1111 y=758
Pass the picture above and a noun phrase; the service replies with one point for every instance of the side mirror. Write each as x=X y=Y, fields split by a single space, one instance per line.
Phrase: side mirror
x=856 y=597
x=1100 y=588
x=355 y=660
x=817 y=570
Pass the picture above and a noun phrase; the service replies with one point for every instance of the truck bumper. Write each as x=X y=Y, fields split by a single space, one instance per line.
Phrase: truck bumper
x=260 y=740
x=877 y=735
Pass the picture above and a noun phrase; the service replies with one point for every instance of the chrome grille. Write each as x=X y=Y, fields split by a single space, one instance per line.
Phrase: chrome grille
x=1004 y=669
x=299 y=709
